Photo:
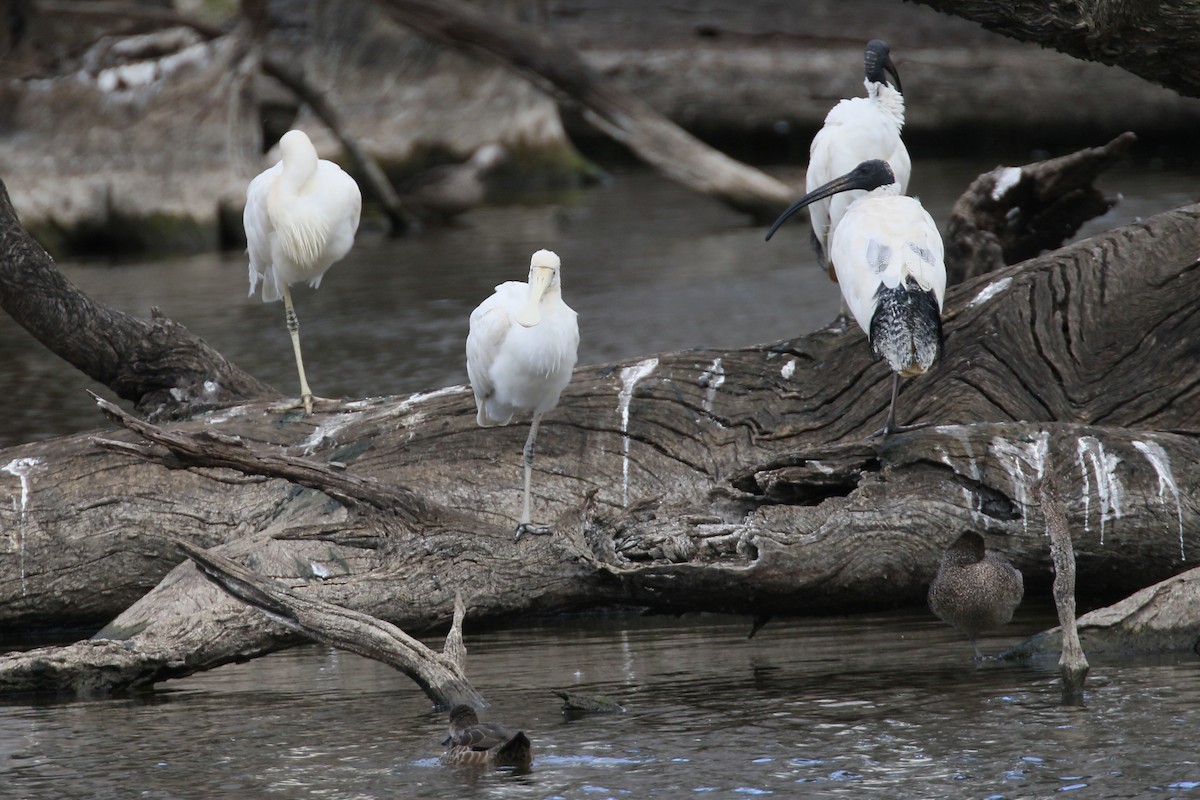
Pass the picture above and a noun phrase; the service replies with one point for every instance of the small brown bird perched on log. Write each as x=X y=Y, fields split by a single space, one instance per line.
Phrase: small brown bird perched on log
x=490 y=744
x=975 y=590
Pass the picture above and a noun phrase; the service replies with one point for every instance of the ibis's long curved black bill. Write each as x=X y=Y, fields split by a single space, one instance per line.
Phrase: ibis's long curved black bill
x=868 y=175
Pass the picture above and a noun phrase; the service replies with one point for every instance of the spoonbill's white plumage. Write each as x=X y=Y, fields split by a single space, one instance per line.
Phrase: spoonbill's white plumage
x=301 y=216
x=521 y=348
x=856 y=129
x=890 y=268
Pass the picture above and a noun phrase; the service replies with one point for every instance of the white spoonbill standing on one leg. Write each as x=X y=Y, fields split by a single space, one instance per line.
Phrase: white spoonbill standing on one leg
x=856 y=130
x=300 y=218
x=890 y=268
x=521 y=348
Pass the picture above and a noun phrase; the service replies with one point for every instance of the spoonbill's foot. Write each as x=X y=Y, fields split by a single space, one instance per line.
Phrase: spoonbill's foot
x=308 y=403
x=533 y=530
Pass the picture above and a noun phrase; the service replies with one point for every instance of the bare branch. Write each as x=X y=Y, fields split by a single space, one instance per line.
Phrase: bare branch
x=440 y=676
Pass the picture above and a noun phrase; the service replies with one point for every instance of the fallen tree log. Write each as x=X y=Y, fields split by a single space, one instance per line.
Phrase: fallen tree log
x=440 y=675
x=157 y=364
x=1154 y=40
x=1014 y=213
x=560 y=71
x=720 y=480
x=1161 y=618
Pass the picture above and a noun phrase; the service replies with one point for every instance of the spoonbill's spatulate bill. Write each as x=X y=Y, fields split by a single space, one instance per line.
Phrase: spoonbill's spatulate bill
x=890 y=268
x=521 y=349
x=301 y=216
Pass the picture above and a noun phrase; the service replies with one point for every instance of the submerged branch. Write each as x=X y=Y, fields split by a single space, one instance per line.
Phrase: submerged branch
x=439 y=675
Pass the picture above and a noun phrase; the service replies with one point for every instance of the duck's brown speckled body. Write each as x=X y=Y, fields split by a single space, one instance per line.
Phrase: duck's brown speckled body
x=975 y=590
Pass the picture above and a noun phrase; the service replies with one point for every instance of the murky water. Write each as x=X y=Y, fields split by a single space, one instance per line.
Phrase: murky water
x=881 y=706
x=885 y=706
x=648 y=265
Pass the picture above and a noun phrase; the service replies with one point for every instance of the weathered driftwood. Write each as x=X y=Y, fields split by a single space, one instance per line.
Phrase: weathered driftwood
x=1161 y=618
x=560 y=71
x=1072 y=664
x=440 y=675
x=155 y=363
x=365 y=166
x=1012 y=214
x=722 y=480
x=1154 y=40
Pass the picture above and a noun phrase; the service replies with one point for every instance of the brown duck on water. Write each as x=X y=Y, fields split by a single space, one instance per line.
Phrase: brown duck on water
x=490 y=744
x=975 y=590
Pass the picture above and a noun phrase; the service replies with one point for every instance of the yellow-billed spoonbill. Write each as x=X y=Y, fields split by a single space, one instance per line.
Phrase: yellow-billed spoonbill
x=889 y=260
x=300 y=218
x=521 y=348
x=975 y=589
x=856 y=129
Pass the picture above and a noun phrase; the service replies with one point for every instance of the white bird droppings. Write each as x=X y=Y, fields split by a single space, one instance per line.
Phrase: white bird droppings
x=1025 y=462
x=989 y=291
x=1158 y=458
x=1007 y=179
x=421 y=397
x=629 y=379
x=711 y=379
x=789 y=369
x=324 y=433
x=1090 y=452
x=22 y=468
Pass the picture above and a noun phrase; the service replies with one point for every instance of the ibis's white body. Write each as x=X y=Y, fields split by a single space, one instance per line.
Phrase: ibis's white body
x=513 y=368
x=883 y=239
x=301 y=216
x=889 y=242
x=855 y=130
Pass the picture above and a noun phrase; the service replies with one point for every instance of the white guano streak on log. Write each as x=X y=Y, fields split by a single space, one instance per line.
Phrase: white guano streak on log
x=22 y=468
x=1158 y=458
x=1006 y=178
x=629 y=379
x=1017 y=458
x=990 y=291
x=711 y=379
x=1090 y=451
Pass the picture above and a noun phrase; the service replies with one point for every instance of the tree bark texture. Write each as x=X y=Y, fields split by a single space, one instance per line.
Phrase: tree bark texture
x=730 y=481
x=1154 y=40
x=1014 y=213
x=1072 y=663
x=155 y=363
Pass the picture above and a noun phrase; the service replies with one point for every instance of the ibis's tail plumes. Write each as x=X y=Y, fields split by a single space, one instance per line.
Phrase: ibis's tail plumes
x=906 y=328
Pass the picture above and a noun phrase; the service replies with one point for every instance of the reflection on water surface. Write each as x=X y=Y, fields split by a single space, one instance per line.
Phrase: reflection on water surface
x=885 y=705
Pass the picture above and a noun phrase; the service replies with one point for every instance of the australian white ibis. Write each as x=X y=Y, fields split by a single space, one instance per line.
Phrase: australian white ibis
x=856 y=129
x=889 y=261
